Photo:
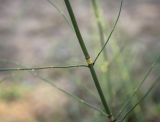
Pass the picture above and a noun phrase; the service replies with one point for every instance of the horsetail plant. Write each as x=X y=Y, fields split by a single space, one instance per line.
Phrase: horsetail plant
x=88 y=60
x=90 y=65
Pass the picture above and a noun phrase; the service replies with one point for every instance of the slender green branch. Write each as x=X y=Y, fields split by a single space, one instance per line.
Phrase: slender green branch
x=61 y=13
x=88 y=59
x=110 y=33
x=53 y=85
x=138 y=86
x=100 y=25
x=140 y=100
x=71 y=95
x=96 y=81
x=76 y=28
x=42 y=68
x=102 y=41
x=147 y=73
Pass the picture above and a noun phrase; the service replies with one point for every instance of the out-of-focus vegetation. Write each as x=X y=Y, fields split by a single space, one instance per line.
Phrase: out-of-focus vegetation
x=33 y=33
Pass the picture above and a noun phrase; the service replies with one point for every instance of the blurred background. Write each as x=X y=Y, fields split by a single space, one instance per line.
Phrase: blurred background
x=33 y=33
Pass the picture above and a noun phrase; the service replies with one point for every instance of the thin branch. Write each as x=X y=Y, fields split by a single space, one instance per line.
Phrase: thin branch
x=148 y=72
x=138 y=86
x=72 y=96
x=61 y=12
x=110 y=32
x=53 y=85
x=140 y=100
x=97 y=14
x=42 y=68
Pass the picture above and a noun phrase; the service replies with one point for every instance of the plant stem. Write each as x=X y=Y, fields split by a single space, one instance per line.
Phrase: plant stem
x=87 y=57
x=141 y=99
x=76 y=29
x=102 y=41
x=114 y=26
x=96 y=81
x=42 y=68
x=100 y=25
x=46 y=80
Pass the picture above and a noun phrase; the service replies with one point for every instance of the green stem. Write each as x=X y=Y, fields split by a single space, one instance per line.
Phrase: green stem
x=148 y=72
x=87 y=56
x=141 y=99
x=102 y=40
x=96 y=81
x=34 y=73
x=99 y=24
x=76 y=29
x=42 y=68
x=114 y=26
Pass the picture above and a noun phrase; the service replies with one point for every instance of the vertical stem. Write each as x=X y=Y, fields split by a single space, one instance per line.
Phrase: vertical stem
x=100 y=26
x=88 y=59
x=96 y=81
x=76 y=29
x=102 y=40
